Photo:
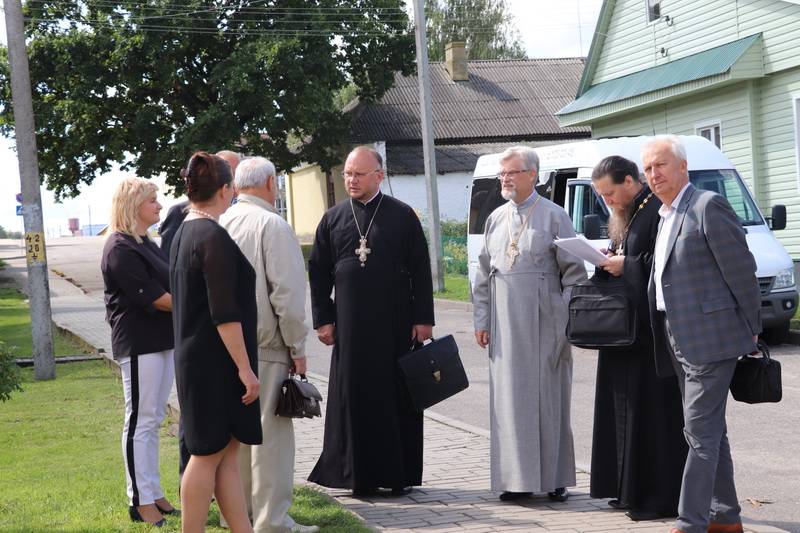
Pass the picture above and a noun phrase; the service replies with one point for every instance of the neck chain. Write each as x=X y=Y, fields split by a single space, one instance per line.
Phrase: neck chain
x=362 y=250
x=209 y=215
x=513 y=251
x=620 y=250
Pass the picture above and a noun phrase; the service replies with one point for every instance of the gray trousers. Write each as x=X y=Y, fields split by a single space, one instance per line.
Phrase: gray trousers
x=708 y=493
x=267 y=470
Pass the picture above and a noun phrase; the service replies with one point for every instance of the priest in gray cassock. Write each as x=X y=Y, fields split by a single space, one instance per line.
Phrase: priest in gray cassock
x=520 y=296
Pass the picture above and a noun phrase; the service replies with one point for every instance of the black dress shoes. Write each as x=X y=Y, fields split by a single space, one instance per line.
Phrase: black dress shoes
x=616 y=504
x=559 y=495
x=641 y=515
x=509 y=496
x=402 y=491
x=137 y=517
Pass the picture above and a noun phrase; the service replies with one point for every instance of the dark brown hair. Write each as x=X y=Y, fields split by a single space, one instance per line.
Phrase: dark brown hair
x=205 y=175
x=616 y=167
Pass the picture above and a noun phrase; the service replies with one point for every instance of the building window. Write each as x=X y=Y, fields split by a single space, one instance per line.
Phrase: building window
x=653 y=10
x=711 y=131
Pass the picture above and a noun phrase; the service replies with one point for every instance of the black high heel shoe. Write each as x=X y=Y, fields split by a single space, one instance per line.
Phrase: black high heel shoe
x=136 y=517
x=171 y=512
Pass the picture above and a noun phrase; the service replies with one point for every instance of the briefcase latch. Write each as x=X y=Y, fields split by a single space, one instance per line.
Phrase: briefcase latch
x=437 y=375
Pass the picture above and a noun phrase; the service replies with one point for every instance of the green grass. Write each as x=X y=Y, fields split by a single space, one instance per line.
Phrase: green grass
x=15 y=326
x=61 y=465
x=455 y=288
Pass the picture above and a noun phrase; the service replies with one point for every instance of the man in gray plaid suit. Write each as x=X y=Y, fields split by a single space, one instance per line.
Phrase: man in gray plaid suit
x=705 y=307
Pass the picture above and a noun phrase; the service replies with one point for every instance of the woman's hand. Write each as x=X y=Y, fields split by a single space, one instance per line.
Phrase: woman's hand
x=252 y=385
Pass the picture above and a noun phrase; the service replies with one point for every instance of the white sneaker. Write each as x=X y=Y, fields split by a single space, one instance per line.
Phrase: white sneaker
x=300 y=528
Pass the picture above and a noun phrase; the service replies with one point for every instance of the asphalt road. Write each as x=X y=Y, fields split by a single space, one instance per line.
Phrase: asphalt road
x=764 y=438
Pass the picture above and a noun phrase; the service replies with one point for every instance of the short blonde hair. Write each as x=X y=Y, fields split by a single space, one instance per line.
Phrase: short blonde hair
x=131 y=193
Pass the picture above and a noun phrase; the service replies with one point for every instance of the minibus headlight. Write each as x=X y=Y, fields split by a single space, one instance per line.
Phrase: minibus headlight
x=784 y=279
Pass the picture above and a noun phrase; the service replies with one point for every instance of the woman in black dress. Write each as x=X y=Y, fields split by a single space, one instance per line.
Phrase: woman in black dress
x=215 y=348
x=138 y=308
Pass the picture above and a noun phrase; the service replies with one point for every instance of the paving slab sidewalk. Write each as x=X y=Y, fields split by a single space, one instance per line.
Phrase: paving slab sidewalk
x=455 y=493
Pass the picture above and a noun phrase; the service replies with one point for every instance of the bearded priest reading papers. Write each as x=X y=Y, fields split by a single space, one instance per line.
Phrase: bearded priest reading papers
x=372 y=250
x=521 y=290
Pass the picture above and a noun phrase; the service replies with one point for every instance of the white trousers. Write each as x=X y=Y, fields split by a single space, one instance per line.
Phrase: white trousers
x=267 y=470
x=146 y=382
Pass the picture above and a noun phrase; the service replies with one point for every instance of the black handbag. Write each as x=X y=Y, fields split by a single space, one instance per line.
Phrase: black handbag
x=431 y=372
x=601 y=315
x=298 y=399
x=757 y=379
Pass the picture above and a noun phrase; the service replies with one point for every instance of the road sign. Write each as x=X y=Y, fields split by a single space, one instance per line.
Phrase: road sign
x=19 y=197
x=19 y=210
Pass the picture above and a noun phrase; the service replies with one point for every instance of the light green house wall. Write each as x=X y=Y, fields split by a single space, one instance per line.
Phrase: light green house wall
x=759 y=134
x=308 y=200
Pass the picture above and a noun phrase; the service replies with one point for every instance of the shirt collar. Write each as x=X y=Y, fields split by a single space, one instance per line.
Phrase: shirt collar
x=368 y=201
x=527 y=202
x=663 y=210
x=255 y=200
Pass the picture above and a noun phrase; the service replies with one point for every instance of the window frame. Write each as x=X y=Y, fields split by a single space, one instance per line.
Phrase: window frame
x=710 y=125
x=653 y=10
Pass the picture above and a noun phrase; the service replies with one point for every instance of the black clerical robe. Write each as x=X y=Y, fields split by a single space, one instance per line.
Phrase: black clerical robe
x=638 y=447
x=371 y=438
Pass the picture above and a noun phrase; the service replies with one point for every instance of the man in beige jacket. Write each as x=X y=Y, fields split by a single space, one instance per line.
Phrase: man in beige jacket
x=271 y=245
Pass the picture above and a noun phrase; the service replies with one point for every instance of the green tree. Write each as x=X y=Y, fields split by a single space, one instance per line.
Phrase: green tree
x=485 y=25
x=8 y=234
x=145 y=84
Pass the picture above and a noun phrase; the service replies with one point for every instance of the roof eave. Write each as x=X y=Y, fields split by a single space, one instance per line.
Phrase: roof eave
x=585 y=117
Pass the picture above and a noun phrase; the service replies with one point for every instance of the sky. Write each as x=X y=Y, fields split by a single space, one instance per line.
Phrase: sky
x=548 y=29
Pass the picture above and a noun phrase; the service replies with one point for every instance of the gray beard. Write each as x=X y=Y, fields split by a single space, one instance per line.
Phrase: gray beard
x=618 y=223
x=509 y=195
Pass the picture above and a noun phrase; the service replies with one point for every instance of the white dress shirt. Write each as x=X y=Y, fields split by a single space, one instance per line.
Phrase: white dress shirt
x=660 y=259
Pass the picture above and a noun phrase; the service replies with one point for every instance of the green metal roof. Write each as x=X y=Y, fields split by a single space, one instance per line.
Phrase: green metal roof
x=712 y=62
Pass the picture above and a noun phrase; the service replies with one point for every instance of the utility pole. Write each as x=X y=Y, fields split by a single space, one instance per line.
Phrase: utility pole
x=426 y=125
x=38 y=284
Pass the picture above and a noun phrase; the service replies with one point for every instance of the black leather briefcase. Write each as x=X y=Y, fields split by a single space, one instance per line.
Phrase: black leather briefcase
x=431 y=372
x=298 y=399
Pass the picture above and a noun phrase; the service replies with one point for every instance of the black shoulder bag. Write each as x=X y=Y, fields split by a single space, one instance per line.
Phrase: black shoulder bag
x=601 y=315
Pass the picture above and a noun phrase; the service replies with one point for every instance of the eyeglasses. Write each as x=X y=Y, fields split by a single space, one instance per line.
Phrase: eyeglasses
x=357 y=175
x=511 y=173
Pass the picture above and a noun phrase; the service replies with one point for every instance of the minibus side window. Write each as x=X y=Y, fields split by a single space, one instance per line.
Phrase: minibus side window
x=728 y=184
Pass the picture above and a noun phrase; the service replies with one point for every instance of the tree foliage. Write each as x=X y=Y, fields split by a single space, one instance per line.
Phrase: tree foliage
x=145 y=84
x=9 y=234
x=485 y=25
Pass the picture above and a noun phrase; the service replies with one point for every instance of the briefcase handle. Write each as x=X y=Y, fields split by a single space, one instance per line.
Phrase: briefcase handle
x=417 y=345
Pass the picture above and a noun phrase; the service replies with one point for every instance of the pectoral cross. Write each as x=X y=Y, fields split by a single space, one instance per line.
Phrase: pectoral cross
x=512 y=254
x=362 y=251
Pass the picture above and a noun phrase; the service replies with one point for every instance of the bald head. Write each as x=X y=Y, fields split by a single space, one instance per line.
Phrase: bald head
x=232 y=158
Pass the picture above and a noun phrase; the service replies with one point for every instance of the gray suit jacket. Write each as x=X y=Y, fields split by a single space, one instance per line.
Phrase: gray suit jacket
x=710 y=287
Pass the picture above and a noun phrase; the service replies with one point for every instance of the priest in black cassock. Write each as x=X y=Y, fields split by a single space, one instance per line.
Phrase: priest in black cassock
x=638 y=447
x=372 y=251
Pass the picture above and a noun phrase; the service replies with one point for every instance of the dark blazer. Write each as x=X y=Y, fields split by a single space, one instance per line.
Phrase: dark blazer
x=710 y=287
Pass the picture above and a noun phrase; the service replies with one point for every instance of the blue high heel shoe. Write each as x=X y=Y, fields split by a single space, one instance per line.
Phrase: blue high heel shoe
x=136 y=517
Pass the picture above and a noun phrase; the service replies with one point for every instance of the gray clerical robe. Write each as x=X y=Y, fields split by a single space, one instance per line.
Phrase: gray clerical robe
x=524 y=308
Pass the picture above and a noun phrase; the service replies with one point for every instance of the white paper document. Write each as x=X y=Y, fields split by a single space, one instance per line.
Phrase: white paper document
x=581 y=247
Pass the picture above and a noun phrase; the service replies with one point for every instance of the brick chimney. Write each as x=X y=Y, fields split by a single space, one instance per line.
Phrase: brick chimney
x=455 y=61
